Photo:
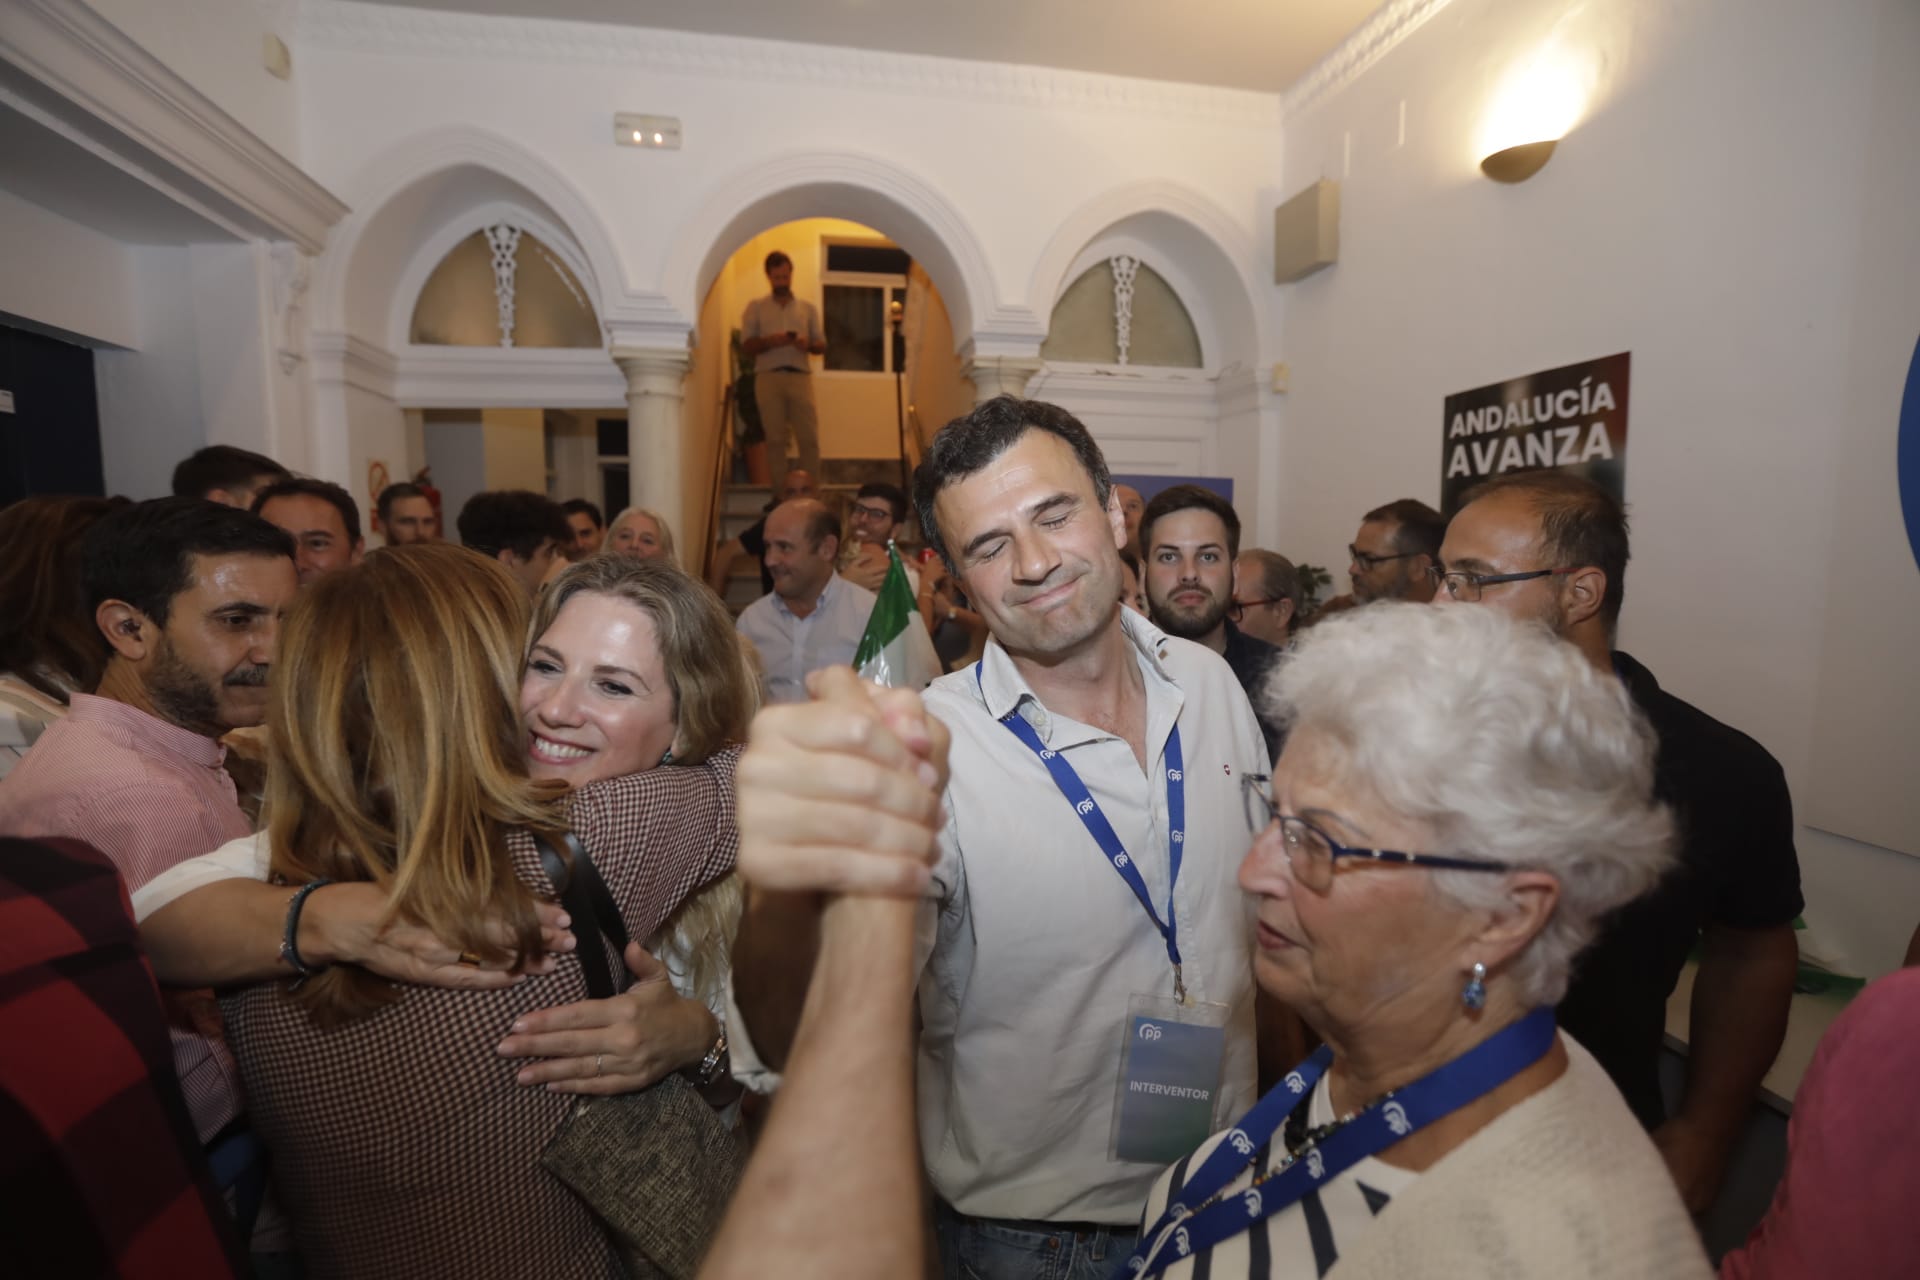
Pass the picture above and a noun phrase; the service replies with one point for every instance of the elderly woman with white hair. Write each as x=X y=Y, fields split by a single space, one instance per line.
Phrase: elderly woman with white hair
x=643 y=535
x=1460 y=801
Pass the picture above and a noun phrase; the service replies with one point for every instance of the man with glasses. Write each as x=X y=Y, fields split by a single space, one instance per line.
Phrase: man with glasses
x=1552 y=547
x=877 y=516
x=1190 y=537
x=1266 y=596
x=1391 y=554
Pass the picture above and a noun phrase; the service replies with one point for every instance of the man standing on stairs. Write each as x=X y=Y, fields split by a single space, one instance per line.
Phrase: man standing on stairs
x=753 y=539
x=780 y=332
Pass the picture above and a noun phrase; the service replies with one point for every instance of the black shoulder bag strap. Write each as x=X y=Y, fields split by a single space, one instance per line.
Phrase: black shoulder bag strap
x=586 y=897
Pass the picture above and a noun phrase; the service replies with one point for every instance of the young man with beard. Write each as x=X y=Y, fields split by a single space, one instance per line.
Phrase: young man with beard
x=780 y=332
x=189 y=596
x=1552 y=547
x=1086 y=861
x=1190 y=537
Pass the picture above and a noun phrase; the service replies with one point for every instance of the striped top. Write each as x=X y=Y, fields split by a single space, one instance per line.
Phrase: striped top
x=148 y=794
x=1303 y=1240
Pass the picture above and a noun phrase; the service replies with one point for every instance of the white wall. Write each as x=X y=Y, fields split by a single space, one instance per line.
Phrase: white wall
x=204 y=369
x=1705 y=214
x=151 y=414
x=1007 y=172
x=218 y=47
x=59 y=273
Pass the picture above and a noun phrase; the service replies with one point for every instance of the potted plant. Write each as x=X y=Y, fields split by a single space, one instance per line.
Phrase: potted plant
x=749 y=435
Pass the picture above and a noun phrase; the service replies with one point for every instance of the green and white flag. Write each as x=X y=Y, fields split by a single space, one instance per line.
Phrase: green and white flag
x=896 y=649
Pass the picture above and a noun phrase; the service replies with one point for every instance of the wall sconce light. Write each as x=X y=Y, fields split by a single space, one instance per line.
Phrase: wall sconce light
x=1517 y=164
x=660 y=133
x=1532 y=110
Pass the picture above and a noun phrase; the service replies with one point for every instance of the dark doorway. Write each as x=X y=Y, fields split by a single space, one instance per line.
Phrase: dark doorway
x=50 y=441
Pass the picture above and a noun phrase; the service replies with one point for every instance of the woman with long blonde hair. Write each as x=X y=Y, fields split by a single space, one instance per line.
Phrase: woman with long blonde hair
x=404 y=1142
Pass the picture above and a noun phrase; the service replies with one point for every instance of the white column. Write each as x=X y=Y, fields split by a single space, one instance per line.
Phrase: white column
x=999 y=375
x=656 y=471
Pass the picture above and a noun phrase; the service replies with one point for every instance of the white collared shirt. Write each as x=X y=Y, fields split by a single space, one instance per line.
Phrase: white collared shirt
x=791 y=647
x=1032 y=944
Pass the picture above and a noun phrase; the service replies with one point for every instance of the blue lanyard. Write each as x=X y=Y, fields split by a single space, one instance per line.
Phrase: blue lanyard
x=1182 y=1232
x=1102 y=831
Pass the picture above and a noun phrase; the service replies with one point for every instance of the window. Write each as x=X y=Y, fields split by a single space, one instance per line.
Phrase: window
x=611 y=445
x=861 y=281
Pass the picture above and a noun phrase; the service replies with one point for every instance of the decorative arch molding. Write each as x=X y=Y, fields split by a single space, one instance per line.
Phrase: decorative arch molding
x=422 y=180
x=863 y=189
x=439 y=244
x=1191 y=241
x=1111 y=244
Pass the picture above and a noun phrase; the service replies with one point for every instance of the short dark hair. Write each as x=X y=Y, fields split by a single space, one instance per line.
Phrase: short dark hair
x=222 y=466
x=47 y=636
x=143 y=554
x=777 y=259
x=1189 y=497
x=308 y=487
x=1419 y=528
x=890 y=493
x=1279 y=580
x=1132 y=561
x=383 y=505
x=516 y=520
x=581 y=507
x=1580 y=524
x=969 y=444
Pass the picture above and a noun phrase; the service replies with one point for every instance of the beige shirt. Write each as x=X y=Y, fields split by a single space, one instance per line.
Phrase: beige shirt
x=1031 y=943
x=769 y=315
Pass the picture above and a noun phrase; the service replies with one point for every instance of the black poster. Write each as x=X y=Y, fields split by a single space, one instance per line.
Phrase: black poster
x=1571 y=419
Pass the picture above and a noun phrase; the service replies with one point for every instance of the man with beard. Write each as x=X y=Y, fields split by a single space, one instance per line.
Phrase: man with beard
x=189 y=595
x=1390 y=557
x=1086 y=859
x=780 y=332
x=1552 y=547
x=1190 y=537
x=813 y=617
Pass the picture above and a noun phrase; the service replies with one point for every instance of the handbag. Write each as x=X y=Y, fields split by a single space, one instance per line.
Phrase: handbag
x=657 y=1166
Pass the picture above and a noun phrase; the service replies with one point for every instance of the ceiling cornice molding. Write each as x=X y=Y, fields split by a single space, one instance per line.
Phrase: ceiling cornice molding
x=88 y=62
x=381 y=29
x=1375 y=38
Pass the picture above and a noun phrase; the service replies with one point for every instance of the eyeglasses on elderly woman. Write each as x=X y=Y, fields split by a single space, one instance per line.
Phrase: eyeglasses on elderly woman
x=1311 y=852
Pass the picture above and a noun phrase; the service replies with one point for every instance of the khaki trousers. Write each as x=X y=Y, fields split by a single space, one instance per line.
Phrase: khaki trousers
x=786 y=406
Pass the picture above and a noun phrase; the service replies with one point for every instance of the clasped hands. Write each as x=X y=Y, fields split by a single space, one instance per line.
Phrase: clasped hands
x=842 y=794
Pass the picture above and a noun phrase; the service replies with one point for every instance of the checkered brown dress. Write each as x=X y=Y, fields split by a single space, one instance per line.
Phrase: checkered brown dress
x=401 y=1144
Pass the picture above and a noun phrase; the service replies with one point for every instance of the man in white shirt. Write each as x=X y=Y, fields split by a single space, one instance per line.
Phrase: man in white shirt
x=780 y=331
x=813 y=617
x=1040 y=932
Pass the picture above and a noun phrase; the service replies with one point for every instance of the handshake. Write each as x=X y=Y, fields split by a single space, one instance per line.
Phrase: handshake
x=841 y=795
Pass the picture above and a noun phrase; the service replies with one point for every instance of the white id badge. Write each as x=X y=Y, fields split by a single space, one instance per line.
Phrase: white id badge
x=1171 y=1065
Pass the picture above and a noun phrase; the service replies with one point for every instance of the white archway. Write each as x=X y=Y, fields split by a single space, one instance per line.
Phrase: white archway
x=838 y=185
x=1218 y=420
x=1191 y=240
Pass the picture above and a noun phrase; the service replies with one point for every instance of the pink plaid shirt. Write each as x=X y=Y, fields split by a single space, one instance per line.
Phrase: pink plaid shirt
x=148 y=794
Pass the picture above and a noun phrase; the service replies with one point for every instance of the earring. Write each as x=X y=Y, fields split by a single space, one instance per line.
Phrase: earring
x=1475 y=994
x=667 y=758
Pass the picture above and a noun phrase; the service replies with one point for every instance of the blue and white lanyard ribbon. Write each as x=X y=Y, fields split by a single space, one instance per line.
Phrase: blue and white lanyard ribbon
x=1183 y=1232
x=1088 y=811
